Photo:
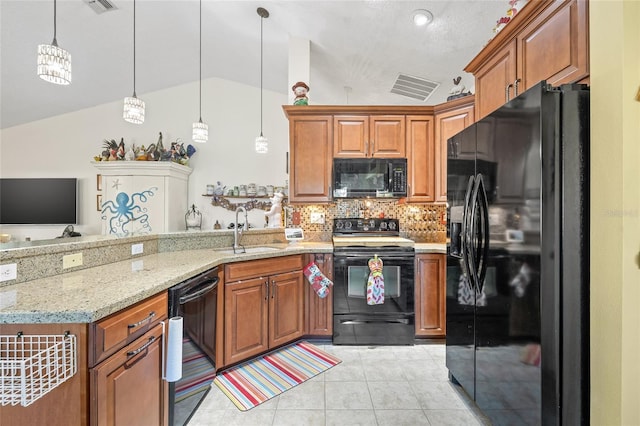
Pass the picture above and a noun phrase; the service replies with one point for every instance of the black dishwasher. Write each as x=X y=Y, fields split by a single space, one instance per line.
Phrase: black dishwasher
x=195 y=300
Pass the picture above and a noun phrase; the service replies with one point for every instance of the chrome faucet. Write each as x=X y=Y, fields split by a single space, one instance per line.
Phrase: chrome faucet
x=237 y=233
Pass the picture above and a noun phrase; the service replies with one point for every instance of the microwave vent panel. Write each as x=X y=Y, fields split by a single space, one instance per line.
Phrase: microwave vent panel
x=414 y=87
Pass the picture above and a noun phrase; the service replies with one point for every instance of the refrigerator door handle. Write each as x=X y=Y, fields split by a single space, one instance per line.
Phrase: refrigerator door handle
x=483 y=232
x=474 y=241
x=464 y=240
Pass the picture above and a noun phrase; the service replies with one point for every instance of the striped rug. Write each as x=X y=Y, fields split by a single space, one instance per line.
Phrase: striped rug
x=259 y=380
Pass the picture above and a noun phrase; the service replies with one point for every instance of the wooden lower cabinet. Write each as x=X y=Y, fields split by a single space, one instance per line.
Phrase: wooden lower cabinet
x=127 y=388
x=264 y=312
x=430 y=295
x=319 y=312
x=66 y=405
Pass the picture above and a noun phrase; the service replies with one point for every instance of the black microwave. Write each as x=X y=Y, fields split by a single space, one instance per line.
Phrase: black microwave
x=369 y=177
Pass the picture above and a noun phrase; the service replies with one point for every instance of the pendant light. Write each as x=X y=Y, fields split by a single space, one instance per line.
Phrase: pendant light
x=262 y=143
x=54 y=63
x=133 y=107
x=200 y=129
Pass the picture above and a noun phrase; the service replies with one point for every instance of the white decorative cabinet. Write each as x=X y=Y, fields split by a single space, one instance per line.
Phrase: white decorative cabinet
x=143 y=197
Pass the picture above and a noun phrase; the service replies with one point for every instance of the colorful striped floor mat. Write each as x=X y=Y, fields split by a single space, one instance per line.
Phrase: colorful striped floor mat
x=259 y=380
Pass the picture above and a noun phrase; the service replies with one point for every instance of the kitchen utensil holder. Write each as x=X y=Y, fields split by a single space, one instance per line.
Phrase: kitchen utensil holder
x=32 y=366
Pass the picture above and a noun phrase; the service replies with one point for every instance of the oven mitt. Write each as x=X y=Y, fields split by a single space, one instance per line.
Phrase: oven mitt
x=319 y=282
x=375 y=283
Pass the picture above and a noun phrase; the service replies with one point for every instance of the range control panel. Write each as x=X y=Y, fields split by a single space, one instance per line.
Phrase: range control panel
x=348 y=226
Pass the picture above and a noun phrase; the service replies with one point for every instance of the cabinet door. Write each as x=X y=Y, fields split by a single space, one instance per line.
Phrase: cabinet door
x=555 y=46
x=448 y=124
x=351 y=136
x=387 y=136
x=493 y=80
x=430 y=295
x=319 y=312
x=311 y=161
x=421 y=163
x=246 y=327
x=286 y=303
x=127 y=388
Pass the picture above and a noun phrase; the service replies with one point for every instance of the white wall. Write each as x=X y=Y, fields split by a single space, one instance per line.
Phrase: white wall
x=64 y=146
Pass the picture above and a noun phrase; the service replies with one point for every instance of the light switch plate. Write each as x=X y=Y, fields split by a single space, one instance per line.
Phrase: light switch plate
x=137 y=248
x=8 y=272
x=317 y=217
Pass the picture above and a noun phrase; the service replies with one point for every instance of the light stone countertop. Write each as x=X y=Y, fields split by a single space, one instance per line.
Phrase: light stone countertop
x=90 y=294
x=438 y=248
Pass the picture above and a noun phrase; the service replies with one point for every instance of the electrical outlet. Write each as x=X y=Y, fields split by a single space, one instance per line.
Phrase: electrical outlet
x=8 y=272
x=317 y=217
x=137 y=248
x=71 y=260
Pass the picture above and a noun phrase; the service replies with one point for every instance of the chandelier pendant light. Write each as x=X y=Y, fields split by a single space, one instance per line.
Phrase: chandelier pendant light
x=200 y=129
x=262 y=143
x=54 y=63
x=133 y=107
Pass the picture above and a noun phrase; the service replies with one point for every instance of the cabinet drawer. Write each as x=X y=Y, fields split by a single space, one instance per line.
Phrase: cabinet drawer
x=261 y=267
x=112 y=333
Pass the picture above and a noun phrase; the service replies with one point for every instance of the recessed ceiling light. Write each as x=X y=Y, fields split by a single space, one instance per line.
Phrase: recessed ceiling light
x=422 y=17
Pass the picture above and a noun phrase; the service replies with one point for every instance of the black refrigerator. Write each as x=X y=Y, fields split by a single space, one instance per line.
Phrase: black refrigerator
x=517 y=260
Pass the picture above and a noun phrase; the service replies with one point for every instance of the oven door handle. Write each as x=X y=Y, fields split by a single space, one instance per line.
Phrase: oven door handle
x=188 y=297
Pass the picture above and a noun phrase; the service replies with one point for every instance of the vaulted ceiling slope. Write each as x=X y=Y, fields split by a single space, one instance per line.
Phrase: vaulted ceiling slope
x=358 y=48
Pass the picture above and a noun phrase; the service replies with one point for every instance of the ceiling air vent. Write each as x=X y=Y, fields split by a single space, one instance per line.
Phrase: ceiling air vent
x=100 y=6
x=414 y=87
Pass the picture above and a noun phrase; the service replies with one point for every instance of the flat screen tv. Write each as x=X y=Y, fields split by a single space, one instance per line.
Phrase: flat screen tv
x=38 y=201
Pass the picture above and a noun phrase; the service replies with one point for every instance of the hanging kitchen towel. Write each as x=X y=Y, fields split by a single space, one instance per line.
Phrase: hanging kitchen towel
x=319 y=281
x=375 y=283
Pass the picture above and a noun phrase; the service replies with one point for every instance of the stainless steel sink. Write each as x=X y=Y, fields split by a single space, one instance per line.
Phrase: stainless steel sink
x=258 y=249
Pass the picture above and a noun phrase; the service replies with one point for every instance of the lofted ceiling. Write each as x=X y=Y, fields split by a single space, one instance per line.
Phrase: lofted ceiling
x=358 y=48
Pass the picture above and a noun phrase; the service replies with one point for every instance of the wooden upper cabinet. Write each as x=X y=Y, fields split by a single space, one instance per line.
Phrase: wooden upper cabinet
x=554 y=46
x=495 y=79
x=351 y=134
x=546 y=40
x=311 y=159
x=365 y=136
x=458 y=116
x=421 y=159
x=387 y=136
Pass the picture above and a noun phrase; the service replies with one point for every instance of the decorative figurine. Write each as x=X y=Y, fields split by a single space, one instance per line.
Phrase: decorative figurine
x=300 y=89
x=458 y=90
x=274 y=215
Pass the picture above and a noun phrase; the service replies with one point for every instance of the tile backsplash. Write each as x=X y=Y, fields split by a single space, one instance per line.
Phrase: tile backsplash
x=420 y=222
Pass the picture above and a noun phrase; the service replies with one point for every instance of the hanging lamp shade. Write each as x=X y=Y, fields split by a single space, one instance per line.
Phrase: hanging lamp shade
x=54 y=63
x=200 y=131
x=134 y=108
x=262 y=143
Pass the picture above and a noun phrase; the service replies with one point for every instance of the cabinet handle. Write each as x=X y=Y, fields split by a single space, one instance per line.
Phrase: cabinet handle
x=515 y=87
x=266 y=283
x=139 y=323
x=366 y=148
x=506 y=92
x=373 y=147
x=142 y=348
x=287 y=163
x=273 y=289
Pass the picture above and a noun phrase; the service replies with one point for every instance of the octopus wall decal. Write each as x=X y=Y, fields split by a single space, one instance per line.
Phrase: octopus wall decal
x=126 y=210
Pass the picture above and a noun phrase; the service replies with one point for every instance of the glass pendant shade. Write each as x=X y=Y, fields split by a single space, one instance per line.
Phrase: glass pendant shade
x=200 y=132
x=54 y=64
x=262 y=145
x=133 y=110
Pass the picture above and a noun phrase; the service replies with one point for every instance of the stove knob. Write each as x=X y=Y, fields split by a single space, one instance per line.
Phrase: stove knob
x=339 y=224
x=372 y=223
x=392 y=226
x=347 y=225
x=383 y=226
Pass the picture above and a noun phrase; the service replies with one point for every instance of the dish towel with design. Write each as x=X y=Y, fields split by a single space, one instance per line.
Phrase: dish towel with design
x=375 y=283
x=319 y=281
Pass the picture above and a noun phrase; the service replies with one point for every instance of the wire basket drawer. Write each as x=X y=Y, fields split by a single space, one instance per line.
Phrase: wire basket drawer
x=31 y=366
